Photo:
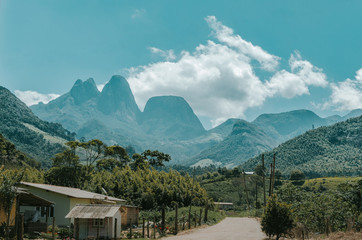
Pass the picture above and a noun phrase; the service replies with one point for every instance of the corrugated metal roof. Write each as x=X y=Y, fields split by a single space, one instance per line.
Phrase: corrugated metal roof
x=72 y=192
x=93 y=211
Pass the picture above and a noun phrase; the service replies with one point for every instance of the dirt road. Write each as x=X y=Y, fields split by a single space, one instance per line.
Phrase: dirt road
x=228 y=229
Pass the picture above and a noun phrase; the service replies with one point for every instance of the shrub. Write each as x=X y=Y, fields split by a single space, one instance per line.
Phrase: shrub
x=277 y=219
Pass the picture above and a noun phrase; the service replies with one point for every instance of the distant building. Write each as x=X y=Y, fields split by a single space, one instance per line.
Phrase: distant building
x=224 y=205
x=66 y=198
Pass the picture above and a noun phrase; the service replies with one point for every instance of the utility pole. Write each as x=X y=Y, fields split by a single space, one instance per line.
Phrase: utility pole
x=262 y=160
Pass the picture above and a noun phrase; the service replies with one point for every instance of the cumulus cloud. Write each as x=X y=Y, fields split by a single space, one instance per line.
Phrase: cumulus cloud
x=295 y=83
x=218 y=78
x=226 y=35
x=167 y=55
x=32 y=97
x=347 y=95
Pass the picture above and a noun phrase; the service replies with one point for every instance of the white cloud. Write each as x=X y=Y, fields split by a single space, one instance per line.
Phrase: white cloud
x=347 y=95
x=32 y=97
x=100 y=87
x=226 y=35
x=167 y=55
x=138 y=13
x=218 y=78
x=295 y=83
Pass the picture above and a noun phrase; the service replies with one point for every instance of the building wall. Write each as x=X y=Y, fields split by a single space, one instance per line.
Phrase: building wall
x=130 y=215
x=12 y=214
x=61 y=204
x=87 y=230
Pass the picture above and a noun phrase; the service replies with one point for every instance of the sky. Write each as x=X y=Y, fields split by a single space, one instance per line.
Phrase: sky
x=228 y=59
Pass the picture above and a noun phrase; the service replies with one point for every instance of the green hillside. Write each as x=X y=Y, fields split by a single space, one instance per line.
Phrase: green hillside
x=10 y=157
x=39 y=139
x=245 y=141
x=325 y=151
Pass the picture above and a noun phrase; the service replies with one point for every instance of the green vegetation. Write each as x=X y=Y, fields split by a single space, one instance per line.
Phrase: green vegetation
x=10 y=157
x=135 y=180
x=18 y=124
x=277 y=220
x=8 y=193
x=326 y=151
x=327 y=210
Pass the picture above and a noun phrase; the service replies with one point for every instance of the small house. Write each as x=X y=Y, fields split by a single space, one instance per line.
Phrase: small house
x=96 y=221
x=65 y=198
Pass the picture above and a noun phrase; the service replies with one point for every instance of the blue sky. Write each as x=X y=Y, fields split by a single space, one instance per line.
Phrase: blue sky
x=227 y=58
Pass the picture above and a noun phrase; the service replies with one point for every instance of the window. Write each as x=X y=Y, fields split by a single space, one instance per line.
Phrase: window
x=98 y=222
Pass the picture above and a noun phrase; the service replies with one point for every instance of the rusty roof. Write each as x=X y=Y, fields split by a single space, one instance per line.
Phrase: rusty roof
x=93 y=211
x=72 y=192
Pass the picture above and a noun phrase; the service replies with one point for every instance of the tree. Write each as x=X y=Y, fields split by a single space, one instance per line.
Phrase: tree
x=297 y=177
x=156 y=158
x=118 y=153
x=277 y=220
x=139 y=161
x=8 y=193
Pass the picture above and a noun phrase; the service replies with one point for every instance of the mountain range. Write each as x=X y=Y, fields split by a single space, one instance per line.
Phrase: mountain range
x=167 y=124
x=326 y=151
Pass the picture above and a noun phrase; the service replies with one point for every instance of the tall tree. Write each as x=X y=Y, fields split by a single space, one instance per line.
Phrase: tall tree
x=8 y=194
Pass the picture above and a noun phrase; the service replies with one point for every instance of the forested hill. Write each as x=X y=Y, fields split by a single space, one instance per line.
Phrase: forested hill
x=325 y=151
x=39 y=139
x=11 y=157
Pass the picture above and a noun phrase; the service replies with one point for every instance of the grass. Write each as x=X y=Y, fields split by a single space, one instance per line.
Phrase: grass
x=329 y=182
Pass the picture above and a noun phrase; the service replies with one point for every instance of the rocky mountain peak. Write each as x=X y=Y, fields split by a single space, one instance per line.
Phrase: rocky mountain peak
x=117 y=98
x=173 y=116
x=83 y=91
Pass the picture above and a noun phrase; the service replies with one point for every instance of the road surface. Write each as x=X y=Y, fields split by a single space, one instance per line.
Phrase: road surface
x=227 y=229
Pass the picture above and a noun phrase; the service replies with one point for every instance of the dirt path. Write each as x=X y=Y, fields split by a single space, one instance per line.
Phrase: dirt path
x=227 y=229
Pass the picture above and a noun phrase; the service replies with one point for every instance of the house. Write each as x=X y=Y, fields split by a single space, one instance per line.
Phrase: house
x=28 y=219
x=96 y=221
x=65 y=199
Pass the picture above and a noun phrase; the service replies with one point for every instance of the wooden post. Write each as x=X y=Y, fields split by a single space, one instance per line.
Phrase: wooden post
x=76 y=223
x=270 y=179
x=272 y=188
x=206 y=210
x=148 y=228
x=262 y=160
x=47 y=216
x=200 y=216
x=195 y=217
x=143 y=227
x=256 y=192
x=115 y=228
x=189 y=223
x=176 y=220
x=246 y=190
x=21 y=227
x=154 y=227
x=130 y=229
x=53 y=229
x=98 y=229
x=183 y=222
x=163 y=215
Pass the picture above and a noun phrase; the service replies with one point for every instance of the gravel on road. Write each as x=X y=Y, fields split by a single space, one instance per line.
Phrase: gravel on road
x=227 y=229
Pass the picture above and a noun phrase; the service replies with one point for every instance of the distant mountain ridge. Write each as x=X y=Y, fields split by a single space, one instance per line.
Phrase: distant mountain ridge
x=325 y=151
x=169 y=124
x=37 y=138
x=262 y=134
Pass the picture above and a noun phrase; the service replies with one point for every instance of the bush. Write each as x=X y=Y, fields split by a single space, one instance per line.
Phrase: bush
x=277 y=219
